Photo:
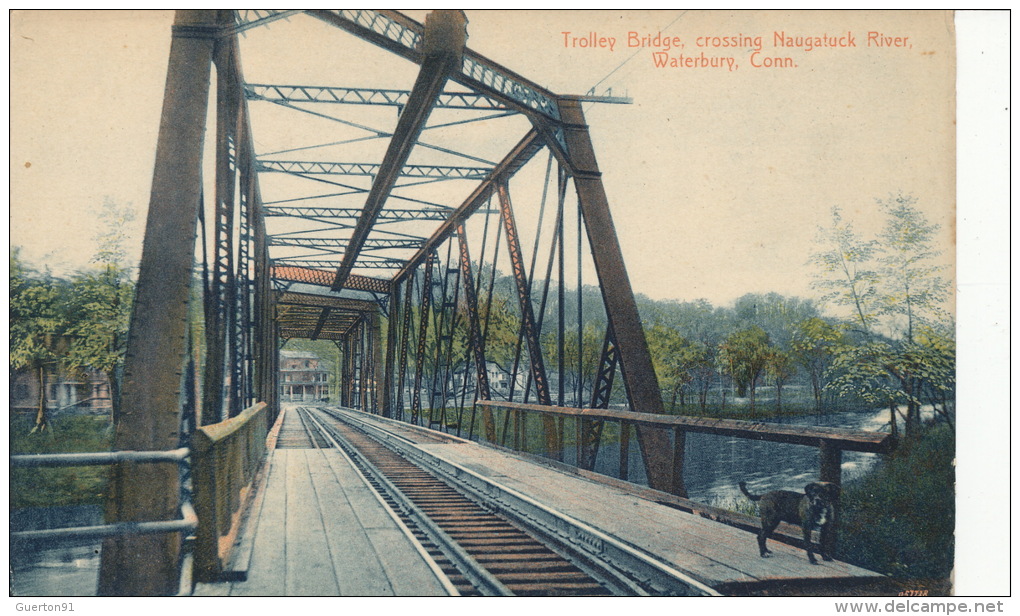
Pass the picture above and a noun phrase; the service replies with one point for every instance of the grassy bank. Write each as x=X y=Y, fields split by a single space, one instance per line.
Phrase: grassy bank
x=59 y=487
x=899 y=519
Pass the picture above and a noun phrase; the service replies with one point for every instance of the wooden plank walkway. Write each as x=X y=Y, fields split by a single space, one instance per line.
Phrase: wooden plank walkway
x=716 y=554
x=316 y=529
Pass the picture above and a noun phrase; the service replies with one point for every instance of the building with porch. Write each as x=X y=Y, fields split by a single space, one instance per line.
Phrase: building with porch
x=304 y=377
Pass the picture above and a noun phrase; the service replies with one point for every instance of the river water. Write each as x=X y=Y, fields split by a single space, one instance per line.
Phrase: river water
x=714 y=465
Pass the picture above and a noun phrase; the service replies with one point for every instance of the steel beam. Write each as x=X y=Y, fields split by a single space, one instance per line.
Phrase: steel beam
x=443 y=45
x=148 y=565
x=245 y=19
x=446 y=172
x=475 y=339
x=519 y=156
x=328 y=242
x=618 y=297
x=423 y=326
x=528 y=324
x=529 y=329
x=221 y=306
x=366 y=96
x=387 y=215
x=402 y=35
x=391 y=352
x=291 y=298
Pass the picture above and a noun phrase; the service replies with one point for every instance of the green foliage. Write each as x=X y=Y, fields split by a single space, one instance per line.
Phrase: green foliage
x=893 y=278
x=781 y=367
x=846 y=271
x=54 y=487
x=812 y=347
x=37 y=319
x=744 y=355
x=678 y=362
x=912 y=289
x=588 y=352
x=97 y=308
x=900 y=519
x=59 y=326
x=775 y=313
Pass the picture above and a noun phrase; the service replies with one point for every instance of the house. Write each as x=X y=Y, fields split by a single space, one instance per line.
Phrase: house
x=85 y=392
x=304 y=377
x=499 y=380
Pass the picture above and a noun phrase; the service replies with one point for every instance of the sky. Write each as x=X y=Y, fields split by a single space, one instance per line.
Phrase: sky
x=717 y=178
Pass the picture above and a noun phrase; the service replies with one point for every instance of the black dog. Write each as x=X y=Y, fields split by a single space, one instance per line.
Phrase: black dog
x=815 y=508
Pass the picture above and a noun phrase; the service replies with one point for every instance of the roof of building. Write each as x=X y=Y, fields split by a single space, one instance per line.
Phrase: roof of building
x=299 y=355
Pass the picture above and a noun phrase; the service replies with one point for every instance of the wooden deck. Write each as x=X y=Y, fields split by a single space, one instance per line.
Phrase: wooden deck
x=718 y=555
x=316 y=529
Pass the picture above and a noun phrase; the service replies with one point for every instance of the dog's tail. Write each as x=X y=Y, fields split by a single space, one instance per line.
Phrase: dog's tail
x=743 y=488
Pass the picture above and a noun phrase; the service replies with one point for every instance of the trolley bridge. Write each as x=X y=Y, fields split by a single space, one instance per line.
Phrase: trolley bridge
x=379 y=218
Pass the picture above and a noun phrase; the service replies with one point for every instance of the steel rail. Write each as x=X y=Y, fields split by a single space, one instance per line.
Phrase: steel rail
x=433 y=565
x=607 y=579
x=651 y=575
x=464 y=562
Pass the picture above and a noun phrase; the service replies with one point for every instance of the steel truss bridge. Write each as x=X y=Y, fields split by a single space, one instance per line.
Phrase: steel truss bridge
x=429 y=228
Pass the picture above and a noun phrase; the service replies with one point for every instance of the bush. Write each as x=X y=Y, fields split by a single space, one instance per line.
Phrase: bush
x=58 y=487
x=900 y=519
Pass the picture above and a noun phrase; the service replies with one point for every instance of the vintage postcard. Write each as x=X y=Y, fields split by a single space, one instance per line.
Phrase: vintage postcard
x=664 y=302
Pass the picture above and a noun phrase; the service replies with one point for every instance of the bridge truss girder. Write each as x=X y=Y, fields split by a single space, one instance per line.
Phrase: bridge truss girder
x=442 y=311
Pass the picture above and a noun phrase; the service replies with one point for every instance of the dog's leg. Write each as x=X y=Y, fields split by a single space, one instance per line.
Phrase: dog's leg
x=767 y=527
x=810 y=545
x=826 y=541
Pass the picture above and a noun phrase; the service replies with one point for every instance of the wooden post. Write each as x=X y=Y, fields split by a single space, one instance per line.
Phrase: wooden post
x=831 y=458
x=624 y=449
x=831 y=462
x=520 y=440
x=225 y=458
x=558 y=454
x=579 y=443
x=679 y=448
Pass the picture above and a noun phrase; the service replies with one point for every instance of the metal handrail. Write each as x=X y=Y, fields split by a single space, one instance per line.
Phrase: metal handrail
x=97 y=458
x=187 y=523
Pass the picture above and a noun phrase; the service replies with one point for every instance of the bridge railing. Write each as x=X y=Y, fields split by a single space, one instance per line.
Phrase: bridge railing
x=185 y=524
x=225 y=460
x=588 y=435
x=831 y=442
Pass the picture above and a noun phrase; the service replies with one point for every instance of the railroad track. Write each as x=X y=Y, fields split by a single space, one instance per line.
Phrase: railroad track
x=482 y=544
x=299 y=432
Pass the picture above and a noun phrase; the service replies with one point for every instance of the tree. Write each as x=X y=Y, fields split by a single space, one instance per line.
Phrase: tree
x=781 y=367
x=37 y=324
x=895 y=277
x=846 y=269
x=745 y=355
x=812 y=347
x=911 y=288
x=775 y=313
x=671 y=359
x=98 y=309
x=98 y=302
